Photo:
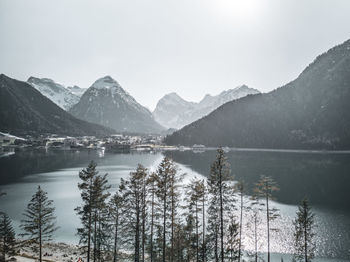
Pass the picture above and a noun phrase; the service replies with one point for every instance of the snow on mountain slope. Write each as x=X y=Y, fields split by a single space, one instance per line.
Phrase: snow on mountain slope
x=76 y=90
x=174 y=112
x=108 y=104
x=55 y=92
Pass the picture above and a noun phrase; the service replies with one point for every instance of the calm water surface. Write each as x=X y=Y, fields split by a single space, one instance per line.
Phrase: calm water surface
x=323 y=178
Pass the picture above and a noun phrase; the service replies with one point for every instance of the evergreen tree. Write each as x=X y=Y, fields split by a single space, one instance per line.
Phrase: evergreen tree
x=304 y=233
x=93 y=189
x=167 y=193
x=219 y=202
x=39 y=223
x=264 y=189
x=100 y=215
x=253 y=224
x=233 y=240
x=154 y=208
x=115 y=212
x=240 y=188
x=133 y=191
x=195 y=195
x=7 y=237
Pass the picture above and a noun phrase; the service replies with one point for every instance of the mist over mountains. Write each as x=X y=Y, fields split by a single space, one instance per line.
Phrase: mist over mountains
x=313 y=111
x=310 y=112
x=172 y=111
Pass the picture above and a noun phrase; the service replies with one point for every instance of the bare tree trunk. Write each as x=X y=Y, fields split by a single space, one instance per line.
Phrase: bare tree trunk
x=197 y=235
x=268 y=227
x=152 y=222
x=137 y=233
x=95 y=233
x=256 y=238
x=40 y=241
x=203 y=211
x=240 y=226
x=116 y=237
x=305 y=238
x=221 y=217
x=164 y=221
x=216 y=244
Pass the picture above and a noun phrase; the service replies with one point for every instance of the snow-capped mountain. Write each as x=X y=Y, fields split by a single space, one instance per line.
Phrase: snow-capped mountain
x=24 y=110
x=76 y=90
x=108 y=104
x=55 y=92
x=174 y=112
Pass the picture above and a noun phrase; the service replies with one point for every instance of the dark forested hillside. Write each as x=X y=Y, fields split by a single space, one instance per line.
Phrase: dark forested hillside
x=24 y=110
x=312 y=111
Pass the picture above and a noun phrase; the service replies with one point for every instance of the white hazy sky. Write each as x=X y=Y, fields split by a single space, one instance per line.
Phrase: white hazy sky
x=154 y=47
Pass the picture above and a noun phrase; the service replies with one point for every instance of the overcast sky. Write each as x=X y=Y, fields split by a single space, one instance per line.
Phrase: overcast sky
x=154 y=47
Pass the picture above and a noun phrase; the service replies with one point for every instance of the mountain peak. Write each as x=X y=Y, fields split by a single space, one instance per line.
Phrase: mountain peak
x=106 y=82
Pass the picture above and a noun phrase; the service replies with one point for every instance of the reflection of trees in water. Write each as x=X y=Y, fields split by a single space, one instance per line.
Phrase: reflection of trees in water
x=323 y=178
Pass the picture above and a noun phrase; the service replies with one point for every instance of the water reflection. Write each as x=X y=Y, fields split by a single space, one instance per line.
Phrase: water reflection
x=323 y=178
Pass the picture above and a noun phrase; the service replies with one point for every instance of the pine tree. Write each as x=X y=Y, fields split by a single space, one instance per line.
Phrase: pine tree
x=253 y=224
x=133 y=191
x=167 y=193
x=195 y=194
x=151 y=182
x=115 y=211
x=7 y=237
x=220 y=201
x=264 y=189
x=240 y=188
x=304 y=233
x=39 y=223
x=93 y=189
x=233 y=240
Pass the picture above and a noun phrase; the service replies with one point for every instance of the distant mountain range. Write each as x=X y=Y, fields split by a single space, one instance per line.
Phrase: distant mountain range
x=172 y=111
x=60 y=95
x=24 y=110
x=107 y=103
x=313 y=111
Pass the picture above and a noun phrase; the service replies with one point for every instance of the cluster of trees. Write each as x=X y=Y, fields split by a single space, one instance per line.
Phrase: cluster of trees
x=37 y=226
x=152 y=216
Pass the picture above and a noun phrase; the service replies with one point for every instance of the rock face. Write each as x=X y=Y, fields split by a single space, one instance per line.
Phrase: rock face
x=174 y=112
x=57 y=93
x=24 y=110
x=108 y=104
x=76 y=90
x=313 y=111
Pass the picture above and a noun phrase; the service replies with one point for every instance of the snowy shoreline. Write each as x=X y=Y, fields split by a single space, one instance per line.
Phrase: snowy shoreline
x=52 y=252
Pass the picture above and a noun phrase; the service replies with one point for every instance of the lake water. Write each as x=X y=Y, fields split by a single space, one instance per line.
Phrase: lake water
x=323 y=178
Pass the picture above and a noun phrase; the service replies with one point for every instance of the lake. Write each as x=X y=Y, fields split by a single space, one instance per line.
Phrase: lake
x=322 y=177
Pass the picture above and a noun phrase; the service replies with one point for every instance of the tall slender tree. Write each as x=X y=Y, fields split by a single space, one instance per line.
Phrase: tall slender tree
x=254 y=221
x=264 y=189
x=7 y=237
x=93 y=193
x=115 y=212
x=154 y=207
x=132 y=192
x=219 y=191
x=232 y=249
x=304 y=233
x=240 y=189
x=39 y=223
x=167 y=183
x=195 y=194
x=100 y=195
